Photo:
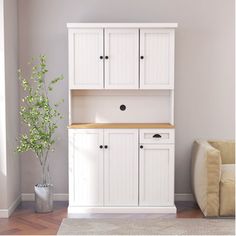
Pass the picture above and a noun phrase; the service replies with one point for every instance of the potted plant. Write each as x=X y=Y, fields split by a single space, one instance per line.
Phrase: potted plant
x=40 y=116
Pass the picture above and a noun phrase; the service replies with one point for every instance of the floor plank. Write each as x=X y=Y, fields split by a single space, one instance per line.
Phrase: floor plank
x=24 y=221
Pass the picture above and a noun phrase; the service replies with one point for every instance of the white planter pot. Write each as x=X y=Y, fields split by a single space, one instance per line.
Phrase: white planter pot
x=43 y=198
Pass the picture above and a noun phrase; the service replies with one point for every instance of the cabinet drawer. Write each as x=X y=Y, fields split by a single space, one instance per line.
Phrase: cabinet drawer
x=157 y=136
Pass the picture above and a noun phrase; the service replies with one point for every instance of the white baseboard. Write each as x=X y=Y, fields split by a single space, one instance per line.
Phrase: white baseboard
x=188 y=197
x=5 y=213
x=56 y=197
x=27 y=197
x=14 y=205
x=123 y=210
x=65 y=197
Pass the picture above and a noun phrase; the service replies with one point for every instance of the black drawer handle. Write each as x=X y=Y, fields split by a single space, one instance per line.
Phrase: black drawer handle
x=156 y=136
x=101 y=147
x=105 y=146
x=141 y=146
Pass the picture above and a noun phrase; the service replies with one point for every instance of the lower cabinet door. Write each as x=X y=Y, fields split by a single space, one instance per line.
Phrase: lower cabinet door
x=121 y=167
x=156 y=175
x=86 y=167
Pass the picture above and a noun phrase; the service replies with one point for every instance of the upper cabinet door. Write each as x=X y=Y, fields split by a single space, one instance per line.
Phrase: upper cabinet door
x=121 y=58
x=86 y=58
x=156 y=58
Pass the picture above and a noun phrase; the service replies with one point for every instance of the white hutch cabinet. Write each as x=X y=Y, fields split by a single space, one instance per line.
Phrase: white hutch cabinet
x=121 y=118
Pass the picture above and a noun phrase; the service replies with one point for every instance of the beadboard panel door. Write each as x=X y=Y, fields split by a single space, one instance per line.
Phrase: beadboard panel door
x=86 y=58
x=156 y=175
x=121 y=58
x=156 y=59
x=121 y=167
x=86 y=167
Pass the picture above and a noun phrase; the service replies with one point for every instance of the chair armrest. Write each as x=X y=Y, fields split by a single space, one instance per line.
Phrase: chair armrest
x=206 y=172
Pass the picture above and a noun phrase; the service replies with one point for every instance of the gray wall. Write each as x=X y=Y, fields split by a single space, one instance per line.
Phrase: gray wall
x=12 y=99
x=204 y=97
x=3 y=148
x=9 y=90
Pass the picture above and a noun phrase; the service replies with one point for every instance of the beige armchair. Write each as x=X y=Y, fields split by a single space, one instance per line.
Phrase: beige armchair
x=213 y=177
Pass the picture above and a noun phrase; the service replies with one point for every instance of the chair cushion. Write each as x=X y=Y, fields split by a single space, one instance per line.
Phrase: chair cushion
x=227 y=150
x=227 y=190
x=206 y=168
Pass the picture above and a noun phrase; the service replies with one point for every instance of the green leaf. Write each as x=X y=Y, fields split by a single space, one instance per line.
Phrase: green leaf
x=36 y=111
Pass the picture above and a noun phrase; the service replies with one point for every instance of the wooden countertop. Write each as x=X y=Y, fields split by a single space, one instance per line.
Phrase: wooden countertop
x=121 y=126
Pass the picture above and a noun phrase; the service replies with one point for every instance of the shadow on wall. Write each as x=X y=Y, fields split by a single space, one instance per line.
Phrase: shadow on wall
x=3 y=197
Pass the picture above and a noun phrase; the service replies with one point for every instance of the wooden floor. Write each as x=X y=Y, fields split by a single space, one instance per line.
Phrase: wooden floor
x=24 y=221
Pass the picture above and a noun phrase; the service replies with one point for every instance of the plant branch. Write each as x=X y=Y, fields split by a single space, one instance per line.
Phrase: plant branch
x=39 y=116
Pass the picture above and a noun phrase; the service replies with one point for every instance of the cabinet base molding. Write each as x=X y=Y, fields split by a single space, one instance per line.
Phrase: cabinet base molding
x=81 y=210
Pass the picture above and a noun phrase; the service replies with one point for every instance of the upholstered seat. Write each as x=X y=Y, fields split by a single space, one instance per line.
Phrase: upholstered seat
x=213 y=177
x=227 y=189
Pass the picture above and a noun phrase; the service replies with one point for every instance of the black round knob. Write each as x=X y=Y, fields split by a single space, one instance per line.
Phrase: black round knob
x=105 y=146
x=141 y=57
x=122 y=107
x=101 y=57
x=101 y=146
x=141 y=146
x=106 y=57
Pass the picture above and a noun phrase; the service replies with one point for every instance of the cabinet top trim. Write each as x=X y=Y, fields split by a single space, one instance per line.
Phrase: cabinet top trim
x=122 y=25
x=121 y=126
